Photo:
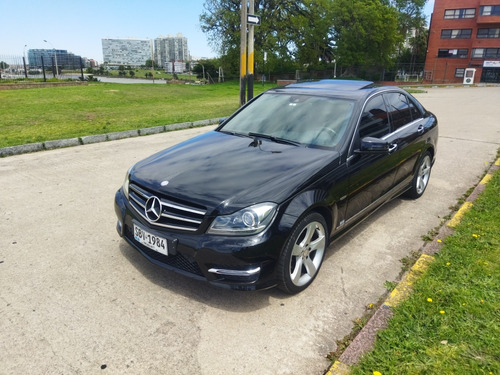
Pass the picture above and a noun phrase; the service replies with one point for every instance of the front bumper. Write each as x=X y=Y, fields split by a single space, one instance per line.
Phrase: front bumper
x=241 y=263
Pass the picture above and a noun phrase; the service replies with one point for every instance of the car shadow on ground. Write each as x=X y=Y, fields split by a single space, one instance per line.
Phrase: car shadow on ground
x=200 y=291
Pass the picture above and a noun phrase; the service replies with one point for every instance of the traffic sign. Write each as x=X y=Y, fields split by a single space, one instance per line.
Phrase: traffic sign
x=252 y=19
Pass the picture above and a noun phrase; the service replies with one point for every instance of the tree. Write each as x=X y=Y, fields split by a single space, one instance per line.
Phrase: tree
x=206 y=68
x=298 y=33
x=315 y=44
x=365 y=32
x=151 y=63
x=3 y=65
x=410 y=14
x=277 y=35
x=416 y=50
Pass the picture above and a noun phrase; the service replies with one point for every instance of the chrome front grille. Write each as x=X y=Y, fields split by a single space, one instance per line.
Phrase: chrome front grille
x=174 y=215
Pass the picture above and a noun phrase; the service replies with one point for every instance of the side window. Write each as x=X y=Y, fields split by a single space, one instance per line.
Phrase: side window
x=397 y=105
x=414 y=110
x=374 y=120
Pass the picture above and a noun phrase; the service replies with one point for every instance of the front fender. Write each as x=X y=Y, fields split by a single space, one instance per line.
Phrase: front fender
x=302 y=204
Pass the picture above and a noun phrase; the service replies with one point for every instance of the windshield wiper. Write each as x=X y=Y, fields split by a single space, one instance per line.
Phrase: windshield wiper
x=230 y=132
x=274 y=139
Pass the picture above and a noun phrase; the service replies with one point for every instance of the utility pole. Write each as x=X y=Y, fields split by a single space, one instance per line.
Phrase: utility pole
x=251 y=10
x=243 y=52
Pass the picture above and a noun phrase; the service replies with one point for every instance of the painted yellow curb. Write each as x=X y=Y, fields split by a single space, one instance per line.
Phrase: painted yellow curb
x=486 y=179
x=402 y=291
x=459 y=215
x=339 y=368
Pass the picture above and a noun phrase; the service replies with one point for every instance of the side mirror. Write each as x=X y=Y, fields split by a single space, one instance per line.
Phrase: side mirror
x=374 y=145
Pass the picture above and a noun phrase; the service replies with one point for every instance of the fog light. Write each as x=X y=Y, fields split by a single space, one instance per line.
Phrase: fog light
x=119 y=228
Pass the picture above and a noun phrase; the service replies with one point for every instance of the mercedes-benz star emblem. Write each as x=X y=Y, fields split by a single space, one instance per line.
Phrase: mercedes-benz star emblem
x=153 y=209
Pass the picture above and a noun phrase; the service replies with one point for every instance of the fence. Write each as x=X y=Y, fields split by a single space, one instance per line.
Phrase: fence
x=399 y=73
x=17 y=67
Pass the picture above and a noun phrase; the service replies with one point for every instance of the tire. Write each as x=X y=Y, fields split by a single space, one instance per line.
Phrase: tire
x=421 y=177
x=303 y=254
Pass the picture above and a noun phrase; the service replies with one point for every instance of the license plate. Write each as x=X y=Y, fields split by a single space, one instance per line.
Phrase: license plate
x=156 y=243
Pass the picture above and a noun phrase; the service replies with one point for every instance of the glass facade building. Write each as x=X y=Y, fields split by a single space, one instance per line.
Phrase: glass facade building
x=65 y=59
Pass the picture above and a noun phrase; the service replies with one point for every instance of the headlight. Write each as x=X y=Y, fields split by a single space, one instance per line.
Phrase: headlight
x=250 y=220
x=126 y=183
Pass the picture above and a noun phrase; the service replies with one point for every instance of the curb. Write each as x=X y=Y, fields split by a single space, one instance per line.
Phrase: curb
x=364 y=341
x=89 y=139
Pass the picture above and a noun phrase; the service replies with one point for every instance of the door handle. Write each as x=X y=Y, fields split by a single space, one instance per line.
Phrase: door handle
x=420 y=129
x=392 y=148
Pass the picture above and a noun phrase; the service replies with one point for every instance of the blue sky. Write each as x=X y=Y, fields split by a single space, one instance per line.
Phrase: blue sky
x=79 y=26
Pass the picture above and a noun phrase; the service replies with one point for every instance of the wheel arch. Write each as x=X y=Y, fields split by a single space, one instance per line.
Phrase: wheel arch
x=309 y=202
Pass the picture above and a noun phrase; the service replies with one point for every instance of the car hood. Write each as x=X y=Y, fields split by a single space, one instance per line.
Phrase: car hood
x=224 y=172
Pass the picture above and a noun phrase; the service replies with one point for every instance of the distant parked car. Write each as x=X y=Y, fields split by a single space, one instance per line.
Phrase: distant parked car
x=255 y=203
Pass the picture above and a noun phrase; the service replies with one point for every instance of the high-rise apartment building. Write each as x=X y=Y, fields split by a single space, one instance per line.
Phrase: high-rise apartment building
x=128 y=51
x=171 y=53
x=464 y=42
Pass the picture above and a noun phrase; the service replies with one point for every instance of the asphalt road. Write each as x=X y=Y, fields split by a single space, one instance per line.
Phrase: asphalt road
x=76 y=299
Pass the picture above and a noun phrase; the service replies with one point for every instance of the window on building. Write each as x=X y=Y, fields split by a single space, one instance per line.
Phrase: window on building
x=456 y=33
x=459 y=72
x=481 y=53
x=478 y=53
x=490 y=10
x=459 y=13
x=492 y=52
x=488 y=33
x=453 y=53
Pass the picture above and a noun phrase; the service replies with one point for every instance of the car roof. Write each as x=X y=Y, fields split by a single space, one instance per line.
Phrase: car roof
x=331 y=87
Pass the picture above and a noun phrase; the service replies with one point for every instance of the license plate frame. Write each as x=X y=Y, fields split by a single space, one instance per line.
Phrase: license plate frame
x=151 y=241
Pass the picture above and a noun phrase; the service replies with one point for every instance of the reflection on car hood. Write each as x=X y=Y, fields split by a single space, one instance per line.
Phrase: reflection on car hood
x=227 y=172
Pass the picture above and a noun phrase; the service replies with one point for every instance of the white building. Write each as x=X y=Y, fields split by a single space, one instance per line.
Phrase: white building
x=129 y=51
x=171 y=53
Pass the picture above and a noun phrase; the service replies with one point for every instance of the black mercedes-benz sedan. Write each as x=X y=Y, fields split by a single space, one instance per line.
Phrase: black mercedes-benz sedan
x=255 y=203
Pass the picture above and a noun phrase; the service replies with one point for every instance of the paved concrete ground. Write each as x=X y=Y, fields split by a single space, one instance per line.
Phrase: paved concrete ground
x=75 y=298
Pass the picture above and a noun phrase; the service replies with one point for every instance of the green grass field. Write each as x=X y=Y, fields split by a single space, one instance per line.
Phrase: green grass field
x=451 y=322
x=50 y=113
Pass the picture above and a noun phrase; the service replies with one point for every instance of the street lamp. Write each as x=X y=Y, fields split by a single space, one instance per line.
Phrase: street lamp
x=55 y=56
x=24 y=61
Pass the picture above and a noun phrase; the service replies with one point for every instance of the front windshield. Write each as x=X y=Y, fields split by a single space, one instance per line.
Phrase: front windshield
x=305 y=119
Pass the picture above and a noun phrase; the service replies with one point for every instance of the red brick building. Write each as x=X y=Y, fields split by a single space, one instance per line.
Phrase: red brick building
x=464 y=35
